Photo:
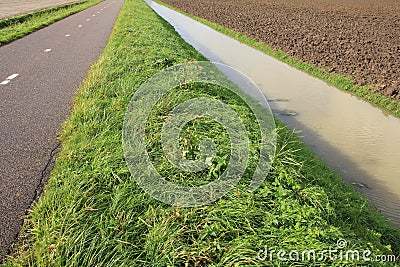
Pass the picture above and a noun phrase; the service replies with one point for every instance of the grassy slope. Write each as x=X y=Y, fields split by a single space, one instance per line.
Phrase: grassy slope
x=93 y=214
x=344 y=83
x=17 y=27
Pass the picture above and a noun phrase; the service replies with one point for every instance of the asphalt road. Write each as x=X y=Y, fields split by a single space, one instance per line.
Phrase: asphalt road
x=10 y=8
x=50 y=63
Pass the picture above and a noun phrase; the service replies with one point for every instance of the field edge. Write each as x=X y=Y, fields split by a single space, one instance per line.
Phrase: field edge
x=16 y=27
x=387 y=105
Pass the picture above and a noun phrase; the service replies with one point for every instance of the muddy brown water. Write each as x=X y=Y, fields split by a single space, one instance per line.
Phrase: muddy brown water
x=353 y=137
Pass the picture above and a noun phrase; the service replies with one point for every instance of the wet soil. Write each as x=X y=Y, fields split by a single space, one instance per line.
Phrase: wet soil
x=355 y=38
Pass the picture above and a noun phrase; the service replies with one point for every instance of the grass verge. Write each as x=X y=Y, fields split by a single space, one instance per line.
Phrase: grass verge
x=366 y=93
x=17 y=27
x=92 y=213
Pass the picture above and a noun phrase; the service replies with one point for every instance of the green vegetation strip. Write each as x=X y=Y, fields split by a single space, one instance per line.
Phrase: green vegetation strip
x=17 y=27
x=366 y=93
x=92 y=212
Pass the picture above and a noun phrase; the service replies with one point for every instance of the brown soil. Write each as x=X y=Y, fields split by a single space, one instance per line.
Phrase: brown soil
x=355 y=38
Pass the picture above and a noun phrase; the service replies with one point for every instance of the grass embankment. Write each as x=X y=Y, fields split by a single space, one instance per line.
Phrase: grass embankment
x=366 y=93
x=93 y=213
x=17 y=27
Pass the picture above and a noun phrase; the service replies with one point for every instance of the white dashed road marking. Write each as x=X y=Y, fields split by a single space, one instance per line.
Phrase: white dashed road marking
x=94 y=15
x=47 y=50
x=9 y=78
x=87 y=19
x=67 y=35
x=12 y=76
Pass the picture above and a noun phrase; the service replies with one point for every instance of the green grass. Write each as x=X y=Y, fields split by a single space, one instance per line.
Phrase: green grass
x=92 y=212
x=344 y=83
x=17 y=27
